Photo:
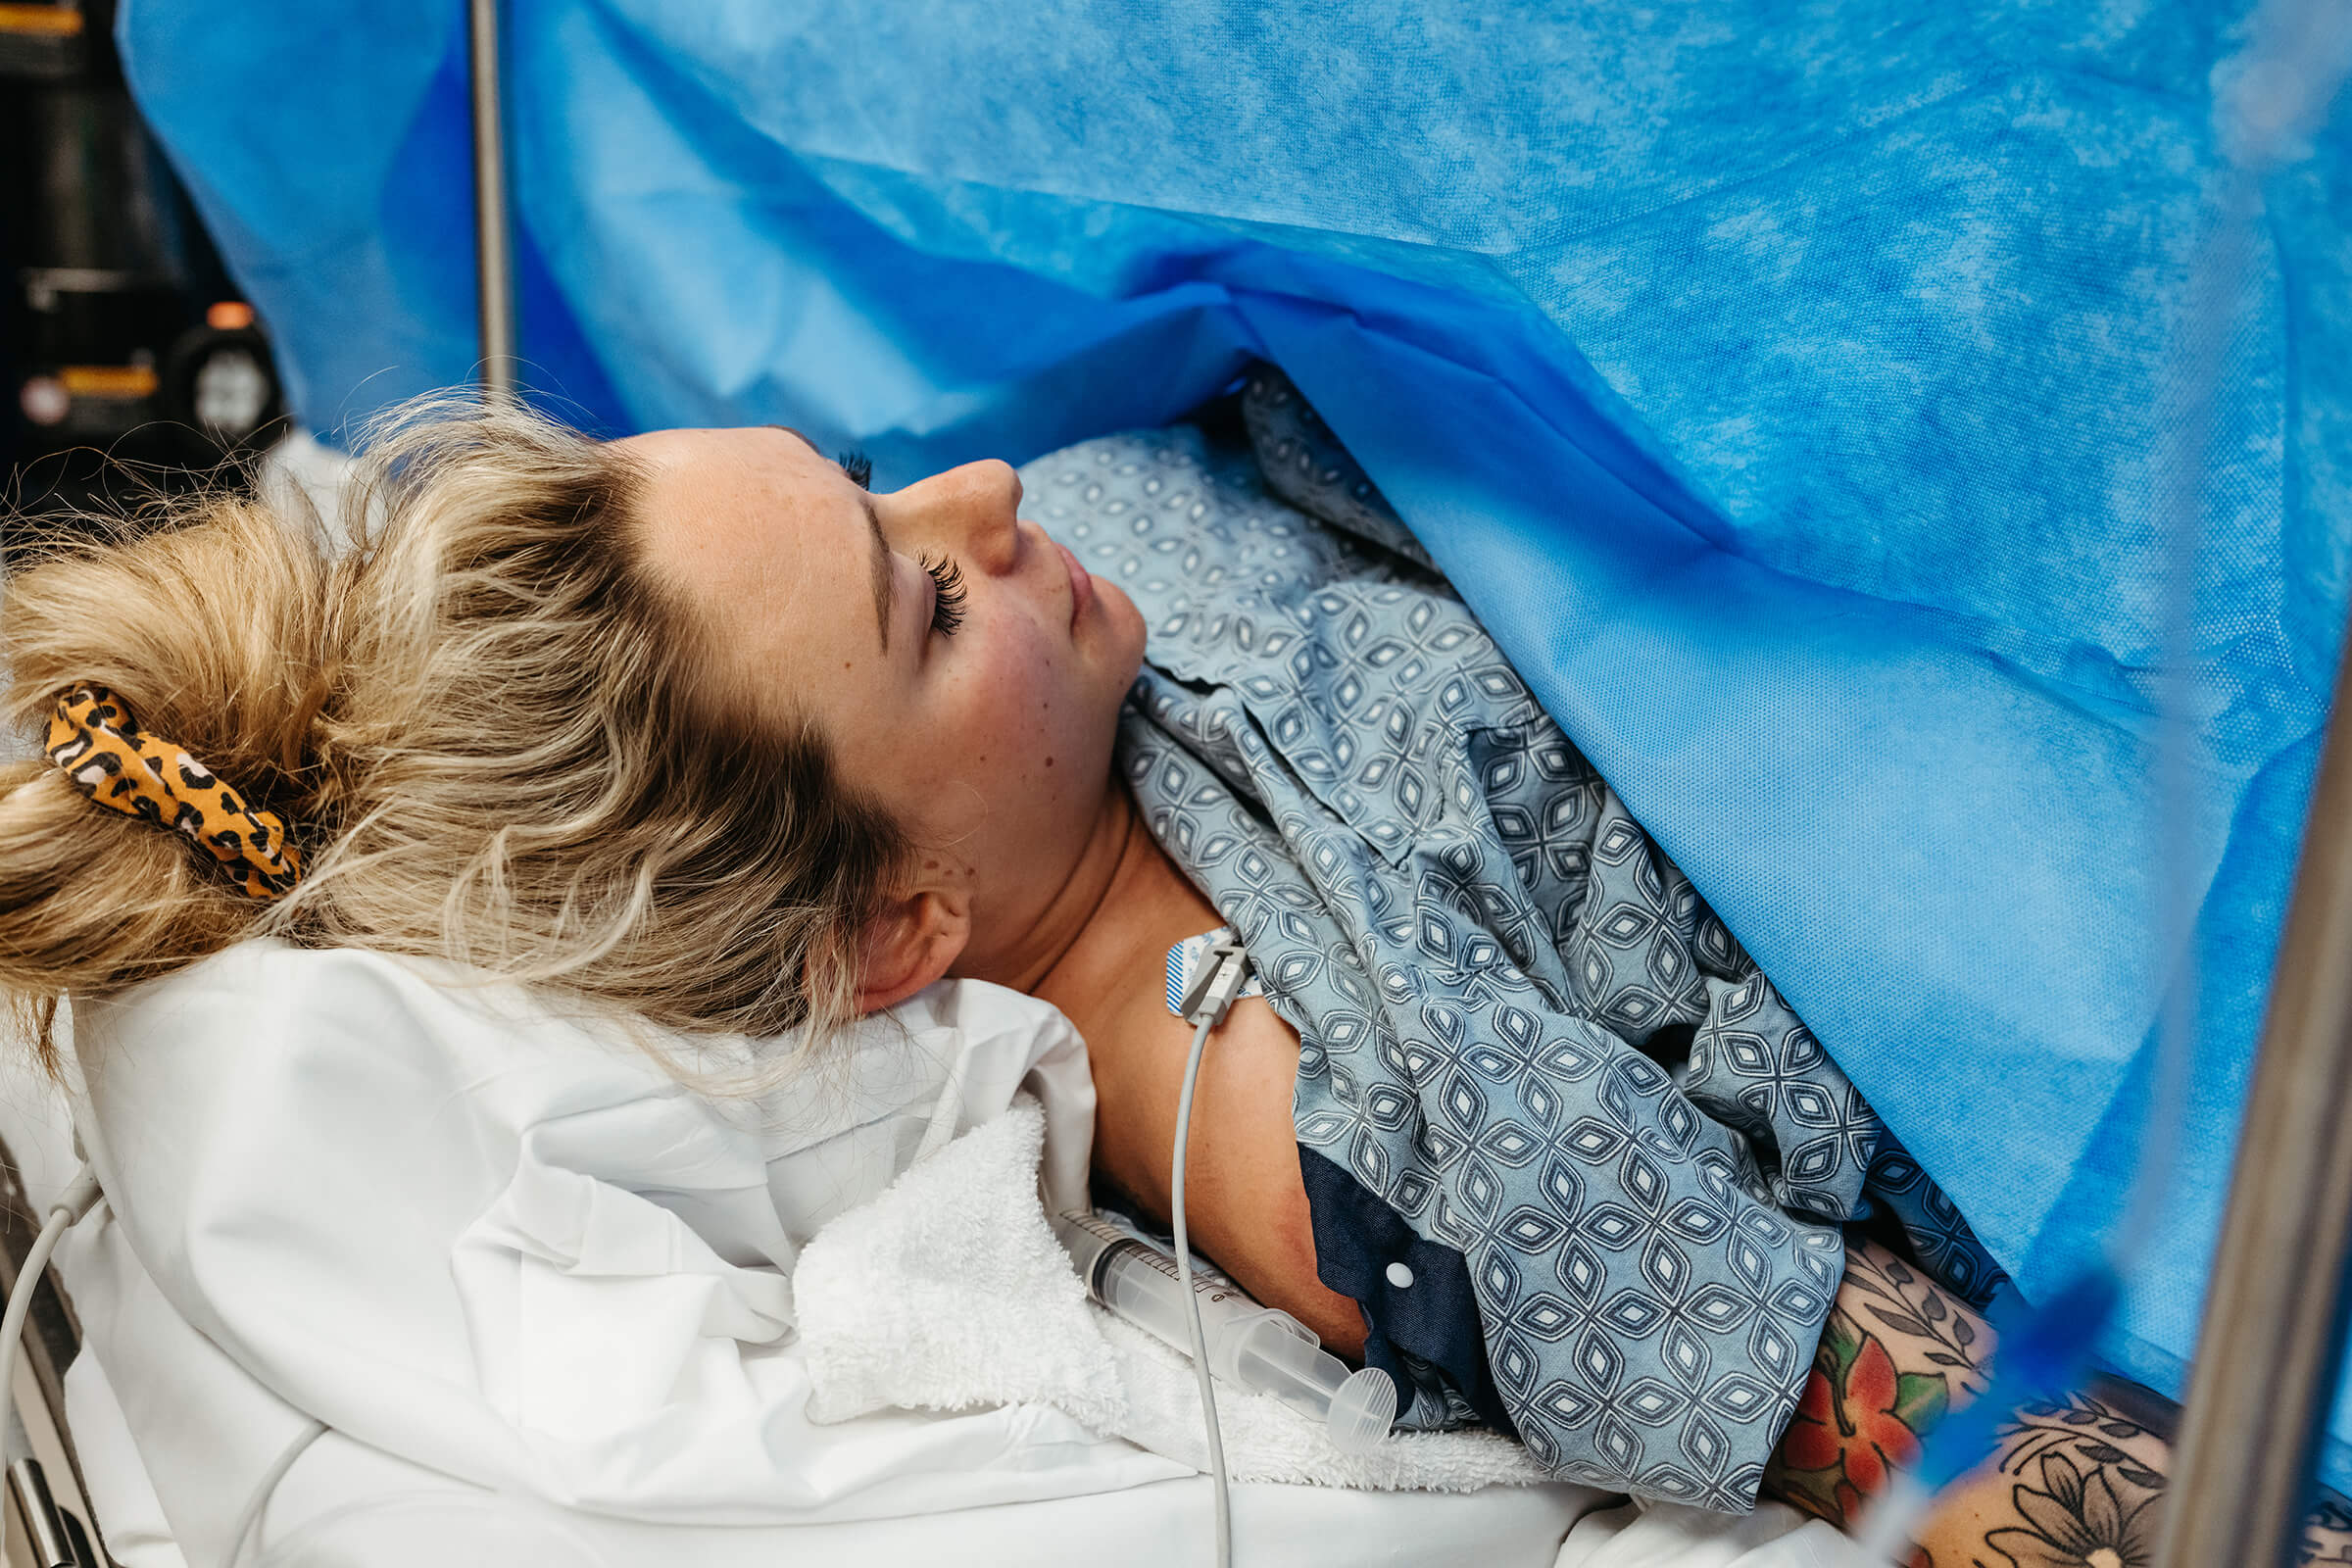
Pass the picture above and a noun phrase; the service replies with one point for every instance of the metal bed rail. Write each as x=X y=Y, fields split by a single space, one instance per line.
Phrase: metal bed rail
x=49 y=1523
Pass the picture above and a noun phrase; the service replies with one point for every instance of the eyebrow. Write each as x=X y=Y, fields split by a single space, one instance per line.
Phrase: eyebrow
x=886 y=580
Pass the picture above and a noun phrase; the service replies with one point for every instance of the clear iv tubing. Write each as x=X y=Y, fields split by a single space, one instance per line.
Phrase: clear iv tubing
x=2266 y=113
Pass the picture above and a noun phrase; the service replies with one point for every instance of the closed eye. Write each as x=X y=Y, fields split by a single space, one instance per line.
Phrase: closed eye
x=859 y=467
x=947 y=597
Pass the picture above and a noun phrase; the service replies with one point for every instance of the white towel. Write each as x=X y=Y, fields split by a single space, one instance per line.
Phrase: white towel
x=936 y=1296
x=949 y=1290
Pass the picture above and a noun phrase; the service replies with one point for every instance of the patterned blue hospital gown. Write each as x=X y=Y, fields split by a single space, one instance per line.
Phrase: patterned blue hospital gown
x=1580 y=1165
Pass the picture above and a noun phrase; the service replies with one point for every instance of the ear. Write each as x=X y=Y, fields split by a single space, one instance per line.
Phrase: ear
x=910 y=945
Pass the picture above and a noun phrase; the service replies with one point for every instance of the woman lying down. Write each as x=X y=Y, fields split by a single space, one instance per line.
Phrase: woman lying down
x=696 y=725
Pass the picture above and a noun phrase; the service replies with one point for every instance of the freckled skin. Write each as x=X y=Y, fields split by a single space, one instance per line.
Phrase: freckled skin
x=1034 y=875
x=771 y=538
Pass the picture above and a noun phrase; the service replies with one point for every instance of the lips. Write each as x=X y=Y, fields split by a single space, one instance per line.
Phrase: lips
x=1082 y=587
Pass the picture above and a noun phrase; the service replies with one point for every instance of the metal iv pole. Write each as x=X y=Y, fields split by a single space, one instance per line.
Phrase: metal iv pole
x=494 y=266
x=2272 y=1340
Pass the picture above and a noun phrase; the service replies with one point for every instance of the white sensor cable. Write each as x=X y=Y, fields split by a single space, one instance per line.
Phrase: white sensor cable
x=1211 y=996
x=82 y=1194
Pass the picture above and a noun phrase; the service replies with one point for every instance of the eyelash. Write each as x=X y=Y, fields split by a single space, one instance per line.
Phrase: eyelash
x=947 y=578
x=946 y=602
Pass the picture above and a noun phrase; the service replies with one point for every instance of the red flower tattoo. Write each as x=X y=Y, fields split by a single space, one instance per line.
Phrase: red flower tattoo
x=1812 y=1442
x=1871 y=1421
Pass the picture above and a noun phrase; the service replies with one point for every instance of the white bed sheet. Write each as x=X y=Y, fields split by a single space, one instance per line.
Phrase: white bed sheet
x=346 y=1504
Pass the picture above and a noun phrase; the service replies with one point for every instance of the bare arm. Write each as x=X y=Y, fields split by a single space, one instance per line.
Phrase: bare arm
x=2079 y=1483
x=1245 y=1200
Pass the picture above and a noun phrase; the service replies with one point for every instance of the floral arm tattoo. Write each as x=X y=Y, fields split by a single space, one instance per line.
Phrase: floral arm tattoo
x=1895 y=1354
x=2077 y=1483
x=2086 y=1479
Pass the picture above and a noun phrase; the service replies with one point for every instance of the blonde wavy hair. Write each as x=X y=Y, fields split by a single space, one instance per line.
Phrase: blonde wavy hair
x=497 y=739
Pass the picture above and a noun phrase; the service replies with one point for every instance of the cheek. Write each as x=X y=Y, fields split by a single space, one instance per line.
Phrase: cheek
x=1026 y=735
x=1035 y=699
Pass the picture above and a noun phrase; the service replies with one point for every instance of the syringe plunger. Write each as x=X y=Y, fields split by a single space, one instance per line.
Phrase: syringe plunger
x=1252 y=1347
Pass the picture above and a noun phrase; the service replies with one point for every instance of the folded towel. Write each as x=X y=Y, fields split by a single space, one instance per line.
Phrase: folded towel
x=935 y=1296
x=949 y=1290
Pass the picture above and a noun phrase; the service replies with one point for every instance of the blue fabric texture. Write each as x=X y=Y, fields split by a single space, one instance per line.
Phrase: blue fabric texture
x=1780 y=383
x=1488 y=964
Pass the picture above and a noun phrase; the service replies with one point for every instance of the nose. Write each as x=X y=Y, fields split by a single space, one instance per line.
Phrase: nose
x=973 y=512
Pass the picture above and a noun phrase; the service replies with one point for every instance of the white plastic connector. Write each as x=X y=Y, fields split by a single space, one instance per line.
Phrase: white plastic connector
x=1223 y=970
x=80 y=1196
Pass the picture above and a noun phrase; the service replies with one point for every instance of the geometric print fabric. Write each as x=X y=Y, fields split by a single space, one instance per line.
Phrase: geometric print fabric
x=1475 y=942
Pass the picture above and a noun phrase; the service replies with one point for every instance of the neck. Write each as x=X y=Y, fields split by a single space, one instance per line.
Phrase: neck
x=1112 y=919
x=1108 y=860
x=1146 y=905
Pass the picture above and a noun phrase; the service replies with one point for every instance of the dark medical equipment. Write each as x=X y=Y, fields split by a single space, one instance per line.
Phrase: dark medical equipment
x=128 y=357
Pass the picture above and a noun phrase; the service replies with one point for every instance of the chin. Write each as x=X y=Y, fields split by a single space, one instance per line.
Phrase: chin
x=1126 y=627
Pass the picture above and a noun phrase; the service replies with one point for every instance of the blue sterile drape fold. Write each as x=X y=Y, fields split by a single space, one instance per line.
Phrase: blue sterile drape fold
x=1784 y=383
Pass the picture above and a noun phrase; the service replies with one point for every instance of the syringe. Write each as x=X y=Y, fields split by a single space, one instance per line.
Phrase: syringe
x=1256 y=1348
